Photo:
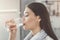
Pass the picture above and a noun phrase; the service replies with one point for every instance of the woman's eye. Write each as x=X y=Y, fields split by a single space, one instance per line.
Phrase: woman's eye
x=26 y=15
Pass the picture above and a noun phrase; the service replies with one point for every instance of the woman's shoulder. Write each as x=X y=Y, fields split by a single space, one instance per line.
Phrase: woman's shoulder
x=48 y=38
x=42 y=35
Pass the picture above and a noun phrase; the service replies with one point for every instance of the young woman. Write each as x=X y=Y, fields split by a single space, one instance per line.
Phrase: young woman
x=36 y=19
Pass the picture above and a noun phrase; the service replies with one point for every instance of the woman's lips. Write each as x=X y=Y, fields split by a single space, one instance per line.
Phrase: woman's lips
x=23 y=24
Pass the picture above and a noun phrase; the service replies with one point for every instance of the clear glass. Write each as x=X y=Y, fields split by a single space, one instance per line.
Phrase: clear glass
x=18 y=22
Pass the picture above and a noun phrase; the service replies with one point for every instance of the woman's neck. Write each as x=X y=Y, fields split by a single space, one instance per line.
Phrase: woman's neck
x=36 y=30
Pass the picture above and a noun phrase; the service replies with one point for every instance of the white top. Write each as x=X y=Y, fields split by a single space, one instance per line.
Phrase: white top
x=42 y=35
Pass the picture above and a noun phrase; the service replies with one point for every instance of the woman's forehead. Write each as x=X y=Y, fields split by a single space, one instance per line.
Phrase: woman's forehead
x=28 y=11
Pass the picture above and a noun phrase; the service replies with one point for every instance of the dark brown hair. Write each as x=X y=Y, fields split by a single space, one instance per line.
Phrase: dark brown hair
x=40 y=10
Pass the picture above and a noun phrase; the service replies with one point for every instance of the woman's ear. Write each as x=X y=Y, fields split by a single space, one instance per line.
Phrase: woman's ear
x=38 y=18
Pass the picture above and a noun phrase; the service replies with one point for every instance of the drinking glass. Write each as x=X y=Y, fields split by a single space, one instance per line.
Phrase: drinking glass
x=18 y=22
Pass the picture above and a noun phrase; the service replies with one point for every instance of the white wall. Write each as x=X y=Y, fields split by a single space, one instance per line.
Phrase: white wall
x=8 y=9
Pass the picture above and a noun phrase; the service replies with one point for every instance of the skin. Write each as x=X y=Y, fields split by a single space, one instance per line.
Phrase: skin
x=30 y=22
x=12 y=29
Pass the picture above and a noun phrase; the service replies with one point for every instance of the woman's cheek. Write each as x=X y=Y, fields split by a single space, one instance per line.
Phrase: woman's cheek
x=27 y=20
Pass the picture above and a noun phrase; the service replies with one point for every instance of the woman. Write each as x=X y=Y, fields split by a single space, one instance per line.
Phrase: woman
x=36 y=19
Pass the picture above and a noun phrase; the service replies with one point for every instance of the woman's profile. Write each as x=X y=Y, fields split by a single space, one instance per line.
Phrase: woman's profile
x=36 y=19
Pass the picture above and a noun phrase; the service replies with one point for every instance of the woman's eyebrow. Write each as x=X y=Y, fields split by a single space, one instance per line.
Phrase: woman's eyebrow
x=26 y=12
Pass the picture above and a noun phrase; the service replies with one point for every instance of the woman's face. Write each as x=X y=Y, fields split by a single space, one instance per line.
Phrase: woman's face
x=30 y=20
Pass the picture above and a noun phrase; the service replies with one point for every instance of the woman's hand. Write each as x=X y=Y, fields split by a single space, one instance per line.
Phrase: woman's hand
x=12 y=29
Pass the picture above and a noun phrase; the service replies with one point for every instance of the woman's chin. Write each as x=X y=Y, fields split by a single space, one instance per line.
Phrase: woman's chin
x=25 y=28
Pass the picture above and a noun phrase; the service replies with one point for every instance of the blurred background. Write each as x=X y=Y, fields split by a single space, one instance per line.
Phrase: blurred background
x=8 y=9
x=15 y=8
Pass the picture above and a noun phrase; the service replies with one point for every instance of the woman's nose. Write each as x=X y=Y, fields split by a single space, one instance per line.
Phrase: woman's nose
x=23 y=18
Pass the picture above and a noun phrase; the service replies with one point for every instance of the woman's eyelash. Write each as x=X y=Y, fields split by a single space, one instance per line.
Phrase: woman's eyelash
x=26 y=15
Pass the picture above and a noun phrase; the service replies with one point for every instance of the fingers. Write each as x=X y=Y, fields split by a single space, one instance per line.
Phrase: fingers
x=13 y=29
x=10 y=22
x=11 y=25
